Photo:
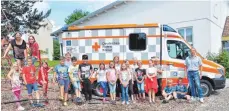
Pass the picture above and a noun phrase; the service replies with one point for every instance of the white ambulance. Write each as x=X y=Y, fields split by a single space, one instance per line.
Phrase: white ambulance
x=143 y=41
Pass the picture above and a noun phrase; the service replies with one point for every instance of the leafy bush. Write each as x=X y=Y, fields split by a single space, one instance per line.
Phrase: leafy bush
x=56 y=50
x=222 y=58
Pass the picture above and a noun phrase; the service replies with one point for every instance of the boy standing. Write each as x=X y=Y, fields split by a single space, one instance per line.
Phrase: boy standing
x=63 y=79
x=140 y=73
x=85 y=72
x=74 y=76
x=29 y=77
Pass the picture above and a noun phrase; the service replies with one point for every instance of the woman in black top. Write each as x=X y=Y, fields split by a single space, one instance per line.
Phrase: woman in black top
x=19 y=49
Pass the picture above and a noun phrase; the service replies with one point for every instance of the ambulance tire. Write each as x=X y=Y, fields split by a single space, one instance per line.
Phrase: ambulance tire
x=97 y=91
x=206 y=88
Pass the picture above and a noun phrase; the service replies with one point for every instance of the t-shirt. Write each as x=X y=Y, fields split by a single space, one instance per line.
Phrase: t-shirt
x=151 y=70
x=74 y=71
x=85 y=70
x=117 y=67
x=124 y=75
x=62 y=71
x=102 y=75
x=112 y=76
x=18 y=50
x=140 y=72
x=30 y=74
x=181 y=88
x=68 y=63
x=34 y=49
x=169 y=90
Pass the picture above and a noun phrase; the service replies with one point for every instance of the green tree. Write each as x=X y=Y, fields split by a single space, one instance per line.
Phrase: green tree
x=18 y=15
x=222 y=58
x=76 y=15
x=56 y=50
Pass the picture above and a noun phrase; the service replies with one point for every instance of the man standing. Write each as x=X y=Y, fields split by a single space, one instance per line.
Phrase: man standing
x=193 y=67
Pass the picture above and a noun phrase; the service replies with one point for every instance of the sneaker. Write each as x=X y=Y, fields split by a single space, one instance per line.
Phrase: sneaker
x=201 y=100
x=104 y=100
x=61 y=98
x=32 y=104
x=193 y=99
x=123 y=102
x=164 y=101
x=65 y=103
x=127 y=103
x=20 y=108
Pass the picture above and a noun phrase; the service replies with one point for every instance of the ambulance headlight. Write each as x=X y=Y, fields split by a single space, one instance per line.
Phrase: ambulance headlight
x=221 y=71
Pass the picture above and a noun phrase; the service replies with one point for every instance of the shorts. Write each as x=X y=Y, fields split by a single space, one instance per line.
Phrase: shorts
x=181 y=96
x=23 y=61
x=141 y=87
x=76 y=85
x=31 y=87
x=64 y=82
x=112 y=88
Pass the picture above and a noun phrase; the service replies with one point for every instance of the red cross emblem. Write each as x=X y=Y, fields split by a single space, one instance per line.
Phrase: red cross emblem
x=96 y=46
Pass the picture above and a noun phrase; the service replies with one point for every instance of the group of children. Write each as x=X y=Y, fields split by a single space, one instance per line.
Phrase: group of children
x=120 y=79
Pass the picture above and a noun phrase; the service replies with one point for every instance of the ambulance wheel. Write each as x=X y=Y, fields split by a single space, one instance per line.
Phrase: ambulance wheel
x=206 y=88
x=98 y=91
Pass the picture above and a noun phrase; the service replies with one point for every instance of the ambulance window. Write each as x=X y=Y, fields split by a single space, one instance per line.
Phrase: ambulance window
x=168 y=28
x=137 y=41
x=177 y=49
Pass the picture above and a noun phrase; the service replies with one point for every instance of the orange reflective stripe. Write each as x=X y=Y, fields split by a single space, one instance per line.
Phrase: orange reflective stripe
x=146 y=62
x=106 y=37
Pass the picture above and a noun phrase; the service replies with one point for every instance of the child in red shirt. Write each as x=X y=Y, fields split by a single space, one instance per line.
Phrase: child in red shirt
x=43 y=77
x=29 y=77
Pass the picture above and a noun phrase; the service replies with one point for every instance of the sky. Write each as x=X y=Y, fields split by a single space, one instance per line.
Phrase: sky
x=62 y=9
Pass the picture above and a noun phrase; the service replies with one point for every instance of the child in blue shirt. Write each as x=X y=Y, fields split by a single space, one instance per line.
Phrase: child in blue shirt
x=168 y=92
x=63 y=79
x=181 y=91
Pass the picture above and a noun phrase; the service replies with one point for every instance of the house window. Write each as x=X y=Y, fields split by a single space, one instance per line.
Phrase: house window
x=226 y=45
x=68 y=43
x=137 y=41
x=187 y=34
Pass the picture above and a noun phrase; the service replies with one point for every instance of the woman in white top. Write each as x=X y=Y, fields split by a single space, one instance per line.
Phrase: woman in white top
x=102 y=79
x=13 y=75
x=151 y=81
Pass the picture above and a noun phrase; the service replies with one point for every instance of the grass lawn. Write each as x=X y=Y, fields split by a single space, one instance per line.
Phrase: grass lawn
x=50 y=63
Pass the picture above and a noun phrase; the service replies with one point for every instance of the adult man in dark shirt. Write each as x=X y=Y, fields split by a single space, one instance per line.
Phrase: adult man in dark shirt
x=85 y=72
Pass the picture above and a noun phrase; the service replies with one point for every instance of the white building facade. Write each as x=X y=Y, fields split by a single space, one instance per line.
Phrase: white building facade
x=201 y=23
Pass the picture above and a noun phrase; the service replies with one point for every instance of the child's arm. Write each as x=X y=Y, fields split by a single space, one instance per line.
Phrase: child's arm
x=50 y=69
x=54 y=75
x=43 y=76
x=147 y=74
x=108 y=76
x=70 y=74
x=9 y=74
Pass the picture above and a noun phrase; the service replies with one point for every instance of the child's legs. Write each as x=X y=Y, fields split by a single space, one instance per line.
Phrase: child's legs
x=104 y=87
x=17 y=94
x=89 y=89
x=66 y=84
x=153 y=95
x=123 y=93
x=164 y=94
x=29 y=90
x=61 y=84
x=35 y=88
x=126 y=93
x=169 y=97
x=150 y=94
x=143 y=90
x=175 y=95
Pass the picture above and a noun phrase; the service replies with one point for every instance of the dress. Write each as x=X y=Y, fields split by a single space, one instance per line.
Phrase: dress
x=151 y=84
